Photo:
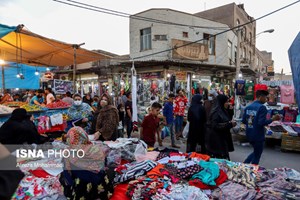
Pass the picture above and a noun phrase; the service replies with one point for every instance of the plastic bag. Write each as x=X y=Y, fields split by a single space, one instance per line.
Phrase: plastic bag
x=165 y=132
x=114 y=157
x=185 y=131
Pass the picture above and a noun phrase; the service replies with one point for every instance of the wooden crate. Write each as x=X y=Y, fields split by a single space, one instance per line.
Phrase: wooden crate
x=290 y=143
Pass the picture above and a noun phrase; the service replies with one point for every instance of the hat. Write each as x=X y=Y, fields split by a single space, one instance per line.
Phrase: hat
x=19 y=114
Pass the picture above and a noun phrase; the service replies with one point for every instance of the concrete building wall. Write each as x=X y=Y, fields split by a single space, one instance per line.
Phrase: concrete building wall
x=234 y=15
x=176 y=32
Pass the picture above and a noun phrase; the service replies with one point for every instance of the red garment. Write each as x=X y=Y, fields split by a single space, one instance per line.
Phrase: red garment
x=150 y=125
x=120 y=192
x=198 y=155
x=39 y=172
x=221 y=179
x=155 y=172
x=180 y=105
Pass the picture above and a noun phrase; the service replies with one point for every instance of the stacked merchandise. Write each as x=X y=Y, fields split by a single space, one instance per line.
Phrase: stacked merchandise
x=175 y=175
x=5 y=109
x=169 y=174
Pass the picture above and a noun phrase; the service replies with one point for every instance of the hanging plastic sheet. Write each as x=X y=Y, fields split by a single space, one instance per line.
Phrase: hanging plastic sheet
x=294 y=56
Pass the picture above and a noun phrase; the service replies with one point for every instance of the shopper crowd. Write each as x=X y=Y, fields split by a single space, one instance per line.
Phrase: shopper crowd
x=208 y=120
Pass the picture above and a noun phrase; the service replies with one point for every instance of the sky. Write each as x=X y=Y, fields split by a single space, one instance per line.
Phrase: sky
x=111 y=33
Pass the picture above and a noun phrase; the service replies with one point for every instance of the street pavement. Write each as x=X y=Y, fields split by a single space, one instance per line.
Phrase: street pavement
x=272 y=156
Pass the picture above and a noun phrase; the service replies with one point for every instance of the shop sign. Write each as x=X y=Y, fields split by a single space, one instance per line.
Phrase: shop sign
x=181 y=76
x=151 y=75
x=270 y=69
x=194 y=51
x=61 y=86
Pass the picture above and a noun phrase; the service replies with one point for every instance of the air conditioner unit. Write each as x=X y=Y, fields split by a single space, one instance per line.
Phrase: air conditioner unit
x=220 y=74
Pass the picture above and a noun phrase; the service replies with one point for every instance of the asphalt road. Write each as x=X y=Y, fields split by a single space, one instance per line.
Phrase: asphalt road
x=272 y=156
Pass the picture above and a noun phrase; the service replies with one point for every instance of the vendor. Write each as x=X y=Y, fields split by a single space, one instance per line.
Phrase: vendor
x=19 y=129
x=49 y=96
x=81 y=111
x=38 y=99
x=6 y=97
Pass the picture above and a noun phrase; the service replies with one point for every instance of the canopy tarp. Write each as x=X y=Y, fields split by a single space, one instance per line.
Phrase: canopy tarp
x=22 y=46
x=294 y=56
x=30 y=81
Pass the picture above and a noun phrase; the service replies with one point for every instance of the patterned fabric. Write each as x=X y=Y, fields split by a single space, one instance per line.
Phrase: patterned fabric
x=243 y=176
x=86 y=185
x=145 y=188
x=180 y=105
x=80 y=112
x=230 y=190
x=134 y=171
x=94 y=155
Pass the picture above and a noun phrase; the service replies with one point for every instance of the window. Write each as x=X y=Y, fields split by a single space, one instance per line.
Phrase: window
x=229 y=50
x=145 y=37
x=210 y=41
x=250 y=38
x=244 y=53
x=250 y=56
x=185 y=34
x=160 y=37
x=237 y=22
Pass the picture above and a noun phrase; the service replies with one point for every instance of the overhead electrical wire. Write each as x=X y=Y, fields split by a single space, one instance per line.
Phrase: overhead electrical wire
x=126 y=15
x=117 y=13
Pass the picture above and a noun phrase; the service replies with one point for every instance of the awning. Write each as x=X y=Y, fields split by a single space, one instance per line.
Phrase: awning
x=22 y=46
x=294 y=56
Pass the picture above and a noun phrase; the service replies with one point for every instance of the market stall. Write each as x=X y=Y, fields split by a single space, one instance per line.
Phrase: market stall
x=48 y=119
x=141 y=173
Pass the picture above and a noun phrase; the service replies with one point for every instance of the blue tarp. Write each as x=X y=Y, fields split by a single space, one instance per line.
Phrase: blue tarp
x=294 y=56
x=30 y=81
x=4 y=30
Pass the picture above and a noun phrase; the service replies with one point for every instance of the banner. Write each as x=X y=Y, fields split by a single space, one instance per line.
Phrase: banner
x=61 y=87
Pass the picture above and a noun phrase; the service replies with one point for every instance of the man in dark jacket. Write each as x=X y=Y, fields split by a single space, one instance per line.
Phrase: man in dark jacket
x=255 y=119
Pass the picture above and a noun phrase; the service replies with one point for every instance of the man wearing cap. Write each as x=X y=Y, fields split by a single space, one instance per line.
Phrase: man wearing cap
x=255 y=119
x=38 y=99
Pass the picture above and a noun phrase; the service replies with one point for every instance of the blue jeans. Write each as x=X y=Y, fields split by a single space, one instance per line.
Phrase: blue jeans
x=254 y=157
x=178 y=124
x=171 y=128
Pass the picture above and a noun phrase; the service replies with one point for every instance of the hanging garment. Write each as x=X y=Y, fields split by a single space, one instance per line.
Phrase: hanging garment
x=273 y=94
x=56 y=119
x=290 y=115
x=239 y=87
x=249 y=87
x=287 y=94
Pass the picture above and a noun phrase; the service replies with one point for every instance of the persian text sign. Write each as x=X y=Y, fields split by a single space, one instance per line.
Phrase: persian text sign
x=194 y=51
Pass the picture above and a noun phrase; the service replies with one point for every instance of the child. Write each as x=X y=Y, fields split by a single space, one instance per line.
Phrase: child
x=150 y=126
x=169 y=118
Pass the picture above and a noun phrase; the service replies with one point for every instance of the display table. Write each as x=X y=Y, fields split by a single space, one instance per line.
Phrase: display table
x=169 y=175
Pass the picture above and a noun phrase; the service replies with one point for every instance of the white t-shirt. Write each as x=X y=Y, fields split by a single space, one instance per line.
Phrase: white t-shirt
x=48 y=98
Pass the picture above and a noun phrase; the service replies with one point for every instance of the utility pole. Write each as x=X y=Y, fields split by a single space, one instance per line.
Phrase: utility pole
x=238 y=68
x=75 y=46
